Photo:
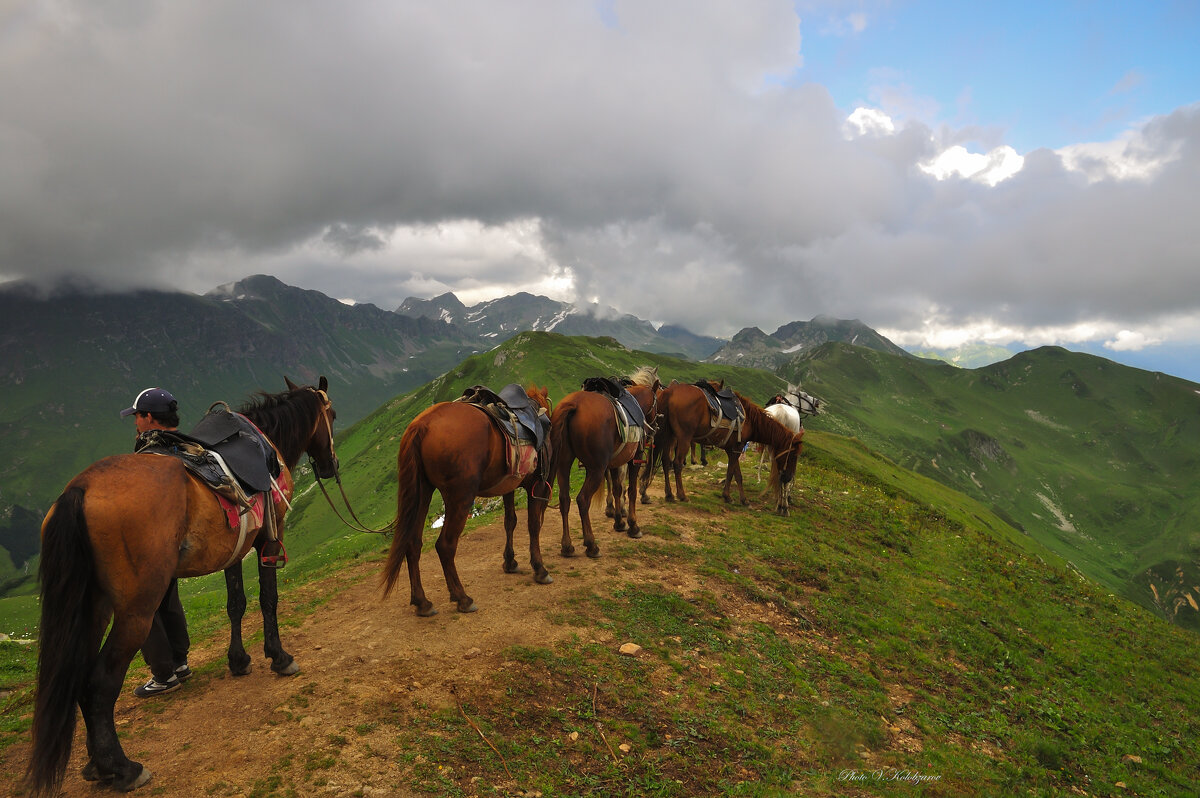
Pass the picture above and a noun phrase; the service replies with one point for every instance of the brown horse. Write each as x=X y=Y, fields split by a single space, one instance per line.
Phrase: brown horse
x=110 y=545
x=457 y=449
x=686 y=417
x=585 y=427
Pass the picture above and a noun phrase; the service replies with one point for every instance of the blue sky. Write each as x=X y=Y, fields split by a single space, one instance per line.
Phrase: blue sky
x=1016 y=174
x=1030 y=74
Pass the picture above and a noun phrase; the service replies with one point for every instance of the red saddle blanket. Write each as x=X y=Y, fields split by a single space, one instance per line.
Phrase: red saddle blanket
x=233 y=512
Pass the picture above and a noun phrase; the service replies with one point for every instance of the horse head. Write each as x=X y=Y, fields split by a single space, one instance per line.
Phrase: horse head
x=540 y=397
x=320 y=440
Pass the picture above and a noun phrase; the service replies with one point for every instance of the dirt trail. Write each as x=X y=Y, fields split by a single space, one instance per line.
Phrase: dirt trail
x=221 y=736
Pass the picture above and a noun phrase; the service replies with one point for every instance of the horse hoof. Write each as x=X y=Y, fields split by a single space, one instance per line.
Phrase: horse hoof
x=141 y=778
x=291 y=670
x=594 y=553
x=634 y=533
x=91 y=772
x=619 y=526
x=569 y=551
x=426 y=612
x=510 y=567
x=469 y=608
x=544 y=579
x=243 y=671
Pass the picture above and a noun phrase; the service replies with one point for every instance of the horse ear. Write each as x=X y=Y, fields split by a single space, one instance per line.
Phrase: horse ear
x=323 y=384
x=291 y=385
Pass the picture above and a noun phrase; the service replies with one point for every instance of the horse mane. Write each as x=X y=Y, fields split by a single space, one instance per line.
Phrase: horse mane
x=645 y=375
x=772 y=433
x=285 y=418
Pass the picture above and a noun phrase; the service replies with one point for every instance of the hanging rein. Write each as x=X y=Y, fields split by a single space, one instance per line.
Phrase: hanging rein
x=356 y=524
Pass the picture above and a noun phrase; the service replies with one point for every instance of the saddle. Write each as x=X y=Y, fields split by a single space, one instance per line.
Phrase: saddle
x=229 y=454
x=517 y=416
x=233 y=438
x=630 y=417
x=723 y=403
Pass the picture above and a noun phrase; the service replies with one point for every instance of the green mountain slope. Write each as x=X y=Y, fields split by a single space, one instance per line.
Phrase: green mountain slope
x=1094 y=460
x=71 y=362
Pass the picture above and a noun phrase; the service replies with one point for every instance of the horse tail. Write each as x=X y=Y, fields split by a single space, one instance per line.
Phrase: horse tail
x=560 y=443
x=409 y=476
x=66 y=645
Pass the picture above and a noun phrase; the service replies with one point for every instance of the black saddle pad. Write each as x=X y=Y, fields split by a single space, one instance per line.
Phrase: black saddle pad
x=723 y=401
x=241 y=445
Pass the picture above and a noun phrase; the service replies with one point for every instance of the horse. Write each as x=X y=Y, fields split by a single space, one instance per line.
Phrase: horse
x=111 y=543
x=804 y=404
x=584 y=427
x=457 y=449
x=687 y=417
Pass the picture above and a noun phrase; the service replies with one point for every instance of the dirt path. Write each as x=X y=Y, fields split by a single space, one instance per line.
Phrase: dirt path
x=221 y=736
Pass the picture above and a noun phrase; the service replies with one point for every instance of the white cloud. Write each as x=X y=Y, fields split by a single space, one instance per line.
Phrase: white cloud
x=990 y=168
x=1131 y=341
x=869 y=121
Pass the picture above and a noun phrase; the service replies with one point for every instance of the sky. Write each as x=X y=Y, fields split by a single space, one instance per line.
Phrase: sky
x=1012 y=173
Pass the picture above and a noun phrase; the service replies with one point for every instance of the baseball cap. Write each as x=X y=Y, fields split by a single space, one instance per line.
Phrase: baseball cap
x=151 y=400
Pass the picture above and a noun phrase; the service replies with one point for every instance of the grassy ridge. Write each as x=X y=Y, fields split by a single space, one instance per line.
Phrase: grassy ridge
x=1093 y=460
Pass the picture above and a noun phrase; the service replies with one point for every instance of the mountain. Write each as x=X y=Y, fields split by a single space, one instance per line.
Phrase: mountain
x=72 y=360
x=1094 y=460
x=753 y=348
x=499 y=319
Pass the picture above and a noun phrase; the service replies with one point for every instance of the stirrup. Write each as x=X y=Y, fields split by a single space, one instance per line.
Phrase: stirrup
x=273 y=555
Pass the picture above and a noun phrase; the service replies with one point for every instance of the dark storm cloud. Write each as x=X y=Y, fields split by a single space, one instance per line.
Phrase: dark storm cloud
x=657 y=151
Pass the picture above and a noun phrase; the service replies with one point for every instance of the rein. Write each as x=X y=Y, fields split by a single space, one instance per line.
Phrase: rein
x=357 y=525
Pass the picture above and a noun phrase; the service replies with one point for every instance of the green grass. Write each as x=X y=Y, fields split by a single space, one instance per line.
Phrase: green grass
x=1092 y=460
x=885 y=627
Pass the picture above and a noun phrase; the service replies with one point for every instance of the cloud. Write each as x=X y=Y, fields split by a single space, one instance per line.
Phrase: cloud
x=645 y=155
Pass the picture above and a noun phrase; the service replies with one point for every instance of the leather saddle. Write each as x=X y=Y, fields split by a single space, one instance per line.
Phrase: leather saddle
x=513 y=410
x=618 y=393
x=723 y=402
x=244 y=449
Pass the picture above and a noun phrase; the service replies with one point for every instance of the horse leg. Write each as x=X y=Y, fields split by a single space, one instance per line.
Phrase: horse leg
x=592 y=482
x=564 y=503
x=446 y=546
x=535 y=514
x=631 y=500
x=268 y=601
x=615 y=498
x=681 y=450
x=107 y=761
x=235 y=608
x=733 y=474
x=510 y=526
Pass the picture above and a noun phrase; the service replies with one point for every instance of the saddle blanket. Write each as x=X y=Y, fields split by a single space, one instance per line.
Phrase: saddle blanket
x=234 y=513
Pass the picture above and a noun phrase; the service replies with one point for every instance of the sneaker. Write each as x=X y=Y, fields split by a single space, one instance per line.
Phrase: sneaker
x=183 y=672
x=153 y=687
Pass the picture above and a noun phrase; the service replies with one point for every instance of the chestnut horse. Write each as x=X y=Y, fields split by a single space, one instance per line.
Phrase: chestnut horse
x=584 y=427
x=457 y=449
x=111 y=544
x=686 y=417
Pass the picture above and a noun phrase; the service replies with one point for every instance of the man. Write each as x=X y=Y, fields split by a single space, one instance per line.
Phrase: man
x=166 y=646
